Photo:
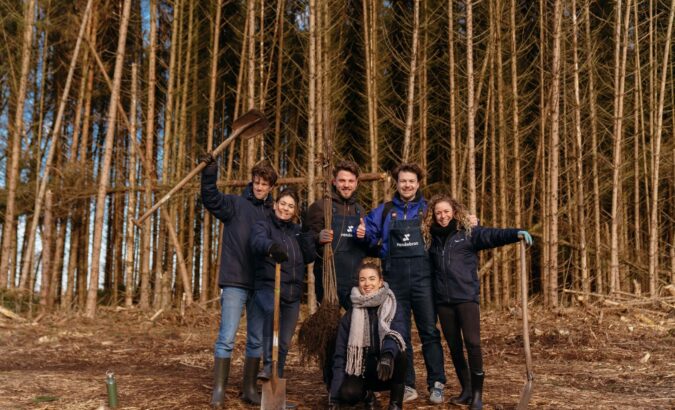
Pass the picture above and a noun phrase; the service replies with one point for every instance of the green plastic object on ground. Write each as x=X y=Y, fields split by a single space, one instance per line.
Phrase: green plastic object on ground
x=111 y=385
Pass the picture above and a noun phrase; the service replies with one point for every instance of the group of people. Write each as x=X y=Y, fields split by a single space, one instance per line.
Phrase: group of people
x=427 y=267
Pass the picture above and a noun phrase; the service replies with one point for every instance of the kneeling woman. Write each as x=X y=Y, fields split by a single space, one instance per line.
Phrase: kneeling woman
x=453 y=249
x=278 y=240
x=369 y=351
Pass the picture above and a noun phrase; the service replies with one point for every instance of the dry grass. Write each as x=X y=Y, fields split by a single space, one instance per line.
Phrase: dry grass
x=583 y=358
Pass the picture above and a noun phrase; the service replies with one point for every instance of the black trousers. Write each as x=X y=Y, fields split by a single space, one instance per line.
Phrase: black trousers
x=354 y=388
x=459 y=322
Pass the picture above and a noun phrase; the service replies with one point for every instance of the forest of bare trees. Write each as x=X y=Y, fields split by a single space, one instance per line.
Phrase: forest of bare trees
x=552 y=115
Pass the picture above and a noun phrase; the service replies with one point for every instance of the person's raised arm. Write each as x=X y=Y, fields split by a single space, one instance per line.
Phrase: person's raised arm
x=218 y=204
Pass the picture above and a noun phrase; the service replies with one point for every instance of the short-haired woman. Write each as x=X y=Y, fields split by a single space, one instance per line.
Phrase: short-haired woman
x=453 y=245
x=370 y=347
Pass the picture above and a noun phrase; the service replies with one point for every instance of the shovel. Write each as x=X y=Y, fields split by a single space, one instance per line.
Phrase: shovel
x=274 y=390
x=527 y=388
x=247 y=126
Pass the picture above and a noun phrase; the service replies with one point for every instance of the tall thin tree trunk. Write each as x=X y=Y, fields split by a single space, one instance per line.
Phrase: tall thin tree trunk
x=144 y=299
x=581 y=199
x=213 y=75
x=311 y=113
x=590 y=58
x=619 y=81
x=12 y=174
x=410 y=101
x=104 y=173
x=454 y=189
x=515 y=131
x=131 y=206
x=555 y=149
x=471 y=109
x=656 y=157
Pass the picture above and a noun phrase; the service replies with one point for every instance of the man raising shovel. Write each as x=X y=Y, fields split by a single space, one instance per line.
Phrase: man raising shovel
x=237 y=214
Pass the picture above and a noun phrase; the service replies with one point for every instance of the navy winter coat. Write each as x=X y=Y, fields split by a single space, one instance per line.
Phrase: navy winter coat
x=376 y=230
x=388 y=345
x=238 y=214
x=455 y=261
x=298 y=246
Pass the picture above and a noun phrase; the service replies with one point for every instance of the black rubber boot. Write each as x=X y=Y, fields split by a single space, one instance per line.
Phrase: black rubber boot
x=477 y=388
x=265 y=373
x=396 y=396
x=221 y=371
x=464 y=397
x=249 y=390
x=370 y=401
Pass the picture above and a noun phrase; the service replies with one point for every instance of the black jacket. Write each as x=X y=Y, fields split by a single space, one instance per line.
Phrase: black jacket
x=455 y=261
x=298 y=246
x=238 y=214
x=348 y=207
x=388 y=345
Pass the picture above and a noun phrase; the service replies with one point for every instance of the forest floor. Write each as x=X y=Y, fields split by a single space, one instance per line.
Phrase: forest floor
x=584 y=357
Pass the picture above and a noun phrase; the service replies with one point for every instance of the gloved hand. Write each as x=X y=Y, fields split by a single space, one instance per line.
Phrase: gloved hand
x=207 y=158
x=524 y=235
x=385 y=367
x=278 y=253
x=325 y=236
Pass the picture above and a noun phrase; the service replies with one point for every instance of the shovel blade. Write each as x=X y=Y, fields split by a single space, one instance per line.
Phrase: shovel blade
x=250 y=124
x=273 y=395
x=525 y=395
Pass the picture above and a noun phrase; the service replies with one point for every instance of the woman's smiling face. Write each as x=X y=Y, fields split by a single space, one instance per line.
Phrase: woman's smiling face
x=443 y=213
x=285 y=207
x=370 y=281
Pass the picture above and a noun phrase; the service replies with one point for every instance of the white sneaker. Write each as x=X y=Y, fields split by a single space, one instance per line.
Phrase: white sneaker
x=436 y=393
x=409 y=394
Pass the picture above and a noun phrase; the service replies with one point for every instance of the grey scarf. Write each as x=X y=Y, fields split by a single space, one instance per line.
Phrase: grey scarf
x=359 y=332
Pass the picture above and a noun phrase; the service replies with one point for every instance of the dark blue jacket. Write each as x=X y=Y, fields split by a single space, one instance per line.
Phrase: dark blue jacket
x=238 y=214
x=376 y=230
x=298 y=246
x=388 y=345
x=455 y=261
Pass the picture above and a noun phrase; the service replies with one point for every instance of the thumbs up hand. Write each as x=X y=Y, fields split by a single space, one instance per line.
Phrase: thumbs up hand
x=361 y=230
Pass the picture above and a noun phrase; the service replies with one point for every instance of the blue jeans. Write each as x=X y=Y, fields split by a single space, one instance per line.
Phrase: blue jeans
x=232 y=301
x=410 y=280
x=288 y=318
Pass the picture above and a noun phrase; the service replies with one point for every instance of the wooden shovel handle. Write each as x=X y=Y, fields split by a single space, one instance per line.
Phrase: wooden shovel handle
x=247 y=125
x=526 y=327
x=275 y=335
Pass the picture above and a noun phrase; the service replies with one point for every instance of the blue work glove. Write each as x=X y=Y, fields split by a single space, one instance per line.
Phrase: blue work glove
x=524 y=235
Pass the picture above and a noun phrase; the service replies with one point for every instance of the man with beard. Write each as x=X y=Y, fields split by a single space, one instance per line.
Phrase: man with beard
x=347 y=213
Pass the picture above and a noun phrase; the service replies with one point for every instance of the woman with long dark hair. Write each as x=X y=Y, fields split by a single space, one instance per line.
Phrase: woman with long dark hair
x=453 y=245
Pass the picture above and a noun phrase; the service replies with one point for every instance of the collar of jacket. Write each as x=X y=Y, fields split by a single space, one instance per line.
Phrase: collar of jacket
x=248 y=194
x=283 y=225
x=417 y=200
